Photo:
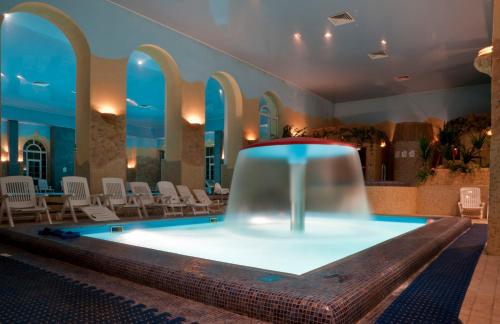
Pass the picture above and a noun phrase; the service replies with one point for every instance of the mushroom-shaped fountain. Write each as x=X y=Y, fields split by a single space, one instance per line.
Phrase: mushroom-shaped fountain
x=284 y=181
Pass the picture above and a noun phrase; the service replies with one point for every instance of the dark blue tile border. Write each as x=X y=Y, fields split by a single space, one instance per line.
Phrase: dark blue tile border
x=436 y=295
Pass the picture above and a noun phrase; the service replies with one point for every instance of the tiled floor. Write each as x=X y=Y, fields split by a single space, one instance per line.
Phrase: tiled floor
x=152 y=298
x=482 y=301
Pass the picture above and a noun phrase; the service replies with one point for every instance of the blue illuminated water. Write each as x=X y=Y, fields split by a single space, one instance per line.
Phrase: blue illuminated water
x=325 y=240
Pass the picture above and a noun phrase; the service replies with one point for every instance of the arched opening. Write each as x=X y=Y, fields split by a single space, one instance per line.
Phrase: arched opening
x=172 y=121
x=145 y=134
x=62 y=98
x=268 y=118
x=35 y=159
x=233 y=124
x=39 y=73
x=214 y=131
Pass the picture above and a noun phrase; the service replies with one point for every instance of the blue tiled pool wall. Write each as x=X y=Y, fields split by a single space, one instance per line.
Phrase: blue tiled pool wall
x=127 y=226
x=93 y=229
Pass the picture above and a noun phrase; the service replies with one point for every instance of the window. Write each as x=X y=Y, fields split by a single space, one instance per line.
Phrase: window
x=209 y=163
x=35 y=159
x=268 y=120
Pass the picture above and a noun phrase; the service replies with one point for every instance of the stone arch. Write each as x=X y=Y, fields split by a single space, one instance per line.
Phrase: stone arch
x=173 y=99
x=233 y=117
x=81 y=49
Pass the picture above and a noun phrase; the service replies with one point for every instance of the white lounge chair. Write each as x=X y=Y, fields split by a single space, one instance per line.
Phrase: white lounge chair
x=187 y=197
x=470 y=202
x=173 y=201
x=77 y=196
x=147 y=200
x=19 y=197
x=43 y=186
x=202 y=197
x=218 y=190
x=116 y=198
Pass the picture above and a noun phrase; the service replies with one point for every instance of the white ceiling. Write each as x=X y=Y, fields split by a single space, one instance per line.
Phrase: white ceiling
x=432 y=41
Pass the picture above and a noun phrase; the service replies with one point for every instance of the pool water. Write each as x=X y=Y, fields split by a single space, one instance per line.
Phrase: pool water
x=265 y=245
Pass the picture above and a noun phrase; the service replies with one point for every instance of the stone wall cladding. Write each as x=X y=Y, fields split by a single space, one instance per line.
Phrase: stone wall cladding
x=340 y=292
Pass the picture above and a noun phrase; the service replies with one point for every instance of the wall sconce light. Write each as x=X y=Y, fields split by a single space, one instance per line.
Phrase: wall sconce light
x=5 y=158
x=131 y=164
x=6 y=15
x=383 y=144
x=20 y=158
x=107 y=110
x=251 y=137
x=489 y=132
x=194 y=120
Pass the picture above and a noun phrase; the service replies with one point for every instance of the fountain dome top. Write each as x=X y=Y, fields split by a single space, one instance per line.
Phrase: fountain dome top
x=298 y=140
x=297 y=149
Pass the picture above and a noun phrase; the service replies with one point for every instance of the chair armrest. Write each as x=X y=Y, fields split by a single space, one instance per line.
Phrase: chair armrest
x=66 y=196
x=164 y=198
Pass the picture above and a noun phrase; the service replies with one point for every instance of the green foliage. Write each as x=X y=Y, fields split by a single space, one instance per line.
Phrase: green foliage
x=424 y=173
x=426 y=150
x=290 y=131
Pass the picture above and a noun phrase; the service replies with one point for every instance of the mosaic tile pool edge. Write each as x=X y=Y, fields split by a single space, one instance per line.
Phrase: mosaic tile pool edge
x=338 y=293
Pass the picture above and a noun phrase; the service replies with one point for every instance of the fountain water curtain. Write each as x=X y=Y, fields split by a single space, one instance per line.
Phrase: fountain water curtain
x=287 y=181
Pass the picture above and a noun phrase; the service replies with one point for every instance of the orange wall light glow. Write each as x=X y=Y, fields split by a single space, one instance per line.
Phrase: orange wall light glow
x=195 y=119
x=107 y=109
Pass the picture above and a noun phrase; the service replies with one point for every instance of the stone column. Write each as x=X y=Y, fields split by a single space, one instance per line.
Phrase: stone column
x=13 y=140
x=493 y=246
x=107 y=124
x=62 y=155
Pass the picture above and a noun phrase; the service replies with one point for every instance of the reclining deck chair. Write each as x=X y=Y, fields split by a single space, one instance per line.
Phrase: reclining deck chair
x=147 y=200
x=470 y=202
x=218 y=190
x=187 y=197
x=115 y=196
x=173 y=201
x=213 y=206
x=77 y=196
x=19 y=197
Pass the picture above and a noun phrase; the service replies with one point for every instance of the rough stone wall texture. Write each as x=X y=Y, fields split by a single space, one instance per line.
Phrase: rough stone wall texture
x=373 y=162
x=108 y=153
x=438 y=196
x=392 y=200
x=193 y=156
x=148 y=166
x=493 y=246
x=406 y=161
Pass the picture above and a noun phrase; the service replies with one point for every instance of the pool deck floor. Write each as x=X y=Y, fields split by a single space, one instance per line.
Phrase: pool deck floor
x=179 y=307
x=481 y=303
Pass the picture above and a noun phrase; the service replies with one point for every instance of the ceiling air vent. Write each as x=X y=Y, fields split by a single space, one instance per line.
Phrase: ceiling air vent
x=341 y=19
x=378 y=55
x=402 y=78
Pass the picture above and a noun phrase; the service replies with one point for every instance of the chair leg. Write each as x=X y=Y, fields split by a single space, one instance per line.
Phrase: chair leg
x=9 y=215
x=73 y=213
x=47 y=213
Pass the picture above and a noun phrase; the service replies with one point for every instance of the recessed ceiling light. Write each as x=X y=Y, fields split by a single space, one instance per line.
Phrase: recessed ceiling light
x=140 y=62
x=297 y=36
x=328 y=35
